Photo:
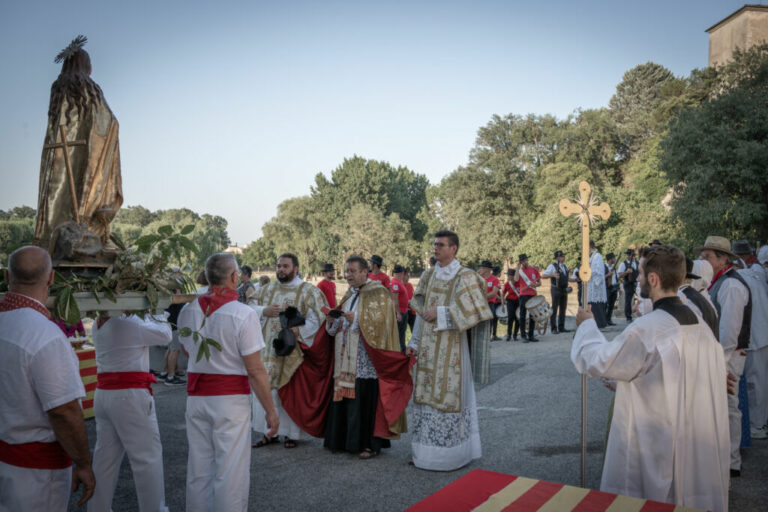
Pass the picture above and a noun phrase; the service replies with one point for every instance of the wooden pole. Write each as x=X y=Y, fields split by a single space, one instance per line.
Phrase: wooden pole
x=69 y=173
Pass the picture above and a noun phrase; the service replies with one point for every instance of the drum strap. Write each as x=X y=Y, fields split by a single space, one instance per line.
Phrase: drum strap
x=527 y=280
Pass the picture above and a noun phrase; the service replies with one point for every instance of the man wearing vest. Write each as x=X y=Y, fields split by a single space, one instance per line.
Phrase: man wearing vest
x=126 y=422
x=42 y=429
x=558 y=273
x=628 y=272
x=733 y=302
x=219 y=388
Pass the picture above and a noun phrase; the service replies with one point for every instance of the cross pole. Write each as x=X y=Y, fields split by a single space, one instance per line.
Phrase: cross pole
x=587 y=210
x=65 y=145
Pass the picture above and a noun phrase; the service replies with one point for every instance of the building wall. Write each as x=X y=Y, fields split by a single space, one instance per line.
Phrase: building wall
x=747 y=29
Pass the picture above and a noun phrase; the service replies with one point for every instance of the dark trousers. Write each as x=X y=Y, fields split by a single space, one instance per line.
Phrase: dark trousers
x=580 y=293
x=613 y=294
x=598 y=311
x=523 y=311
x=512 y=306
x=495 y=319
x=559 y=303
x=402 y=325
x=351 y=421
x=629 y=295
x=411 y=320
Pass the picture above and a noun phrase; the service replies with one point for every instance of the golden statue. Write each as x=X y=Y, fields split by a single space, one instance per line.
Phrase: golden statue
x=80 y=183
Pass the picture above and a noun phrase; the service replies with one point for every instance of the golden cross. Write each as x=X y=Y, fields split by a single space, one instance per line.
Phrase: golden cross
x=587 y=209
x=65 y=145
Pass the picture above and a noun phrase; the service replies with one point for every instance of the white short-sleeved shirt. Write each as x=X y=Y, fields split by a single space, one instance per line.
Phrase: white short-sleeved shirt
x=122 y=344
x=39 y=371
x=234 y=326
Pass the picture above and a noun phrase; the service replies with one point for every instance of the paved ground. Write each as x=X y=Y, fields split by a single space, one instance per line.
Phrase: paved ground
x=529 y=423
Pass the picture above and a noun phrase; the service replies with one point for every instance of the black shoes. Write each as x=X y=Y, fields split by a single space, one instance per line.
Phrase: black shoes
x=565 y=330
x=533 y=339
x=735 y=473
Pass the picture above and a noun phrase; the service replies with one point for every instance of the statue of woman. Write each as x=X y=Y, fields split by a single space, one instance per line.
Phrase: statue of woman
x=78 y=105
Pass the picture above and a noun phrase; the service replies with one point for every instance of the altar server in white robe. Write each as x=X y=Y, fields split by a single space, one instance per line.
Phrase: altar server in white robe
x=219 y=387
x=669 y=433
x=124 y=409
x=597 y=295
x=41 y=423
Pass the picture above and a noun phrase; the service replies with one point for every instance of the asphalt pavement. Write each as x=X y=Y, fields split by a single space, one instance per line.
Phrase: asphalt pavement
x=529 y=423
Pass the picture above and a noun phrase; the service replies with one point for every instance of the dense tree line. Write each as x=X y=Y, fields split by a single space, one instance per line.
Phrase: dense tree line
x=677 y=158
x=17 y=228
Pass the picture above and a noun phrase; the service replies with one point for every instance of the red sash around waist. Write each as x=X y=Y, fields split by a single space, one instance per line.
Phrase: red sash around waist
x=35 y=455
x=125 y=380
x=214 y=384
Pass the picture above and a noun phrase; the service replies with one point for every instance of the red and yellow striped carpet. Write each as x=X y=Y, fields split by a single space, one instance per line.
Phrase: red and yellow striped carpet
x=87 y=359
x=488 y=491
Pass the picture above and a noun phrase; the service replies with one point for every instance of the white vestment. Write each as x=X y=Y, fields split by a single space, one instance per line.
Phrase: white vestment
x=288 y=427
x=669 y=434
x=445 y=441
x=757 y=354
x=126 y=422
x=38 y=372
x=218 y=467
x=596 y=287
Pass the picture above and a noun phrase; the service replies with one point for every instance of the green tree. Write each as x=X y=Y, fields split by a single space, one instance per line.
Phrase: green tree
x=715 y=157
x=260 y=253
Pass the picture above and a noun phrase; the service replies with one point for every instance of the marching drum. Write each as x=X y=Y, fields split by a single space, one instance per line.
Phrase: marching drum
x=501 y=313
x=539 y=311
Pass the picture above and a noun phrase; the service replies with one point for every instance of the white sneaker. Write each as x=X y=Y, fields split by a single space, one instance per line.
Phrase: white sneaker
x=759 y=433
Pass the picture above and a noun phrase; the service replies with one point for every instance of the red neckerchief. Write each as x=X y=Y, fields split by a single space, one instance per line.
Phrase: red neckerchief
x=13 y=301
x=216 y=297
x=717 y=276
x=750 y=260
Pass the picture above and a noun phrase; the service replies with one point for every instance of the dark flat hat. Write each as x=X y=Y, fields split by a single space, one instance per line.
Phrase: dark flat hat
x=609 y=256
x=328 y=267
x=398 y=269
x=689 y=270
x=486 y=264
x=510 y=271
x=558 y=254
x=376 y=259
x=629 y=251
x=522 y=257
x=655 y=241
x=741 y=247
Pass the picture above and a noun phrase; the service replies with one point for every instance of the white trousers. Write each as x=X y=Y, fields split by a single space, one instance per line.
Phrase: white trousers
x=126 y=424
x=34 y=489
x=218 y=468
x=735 y=360
x=757 y=386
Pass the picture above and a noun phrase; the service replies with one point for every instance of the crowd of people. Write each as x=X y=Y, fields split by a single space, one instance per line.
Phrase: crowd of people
x=278 y=361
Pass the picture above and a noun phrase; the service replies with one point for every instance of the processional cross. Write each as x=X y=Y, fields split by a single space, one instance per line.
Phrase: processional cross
x=65 y=145
x=587 y=210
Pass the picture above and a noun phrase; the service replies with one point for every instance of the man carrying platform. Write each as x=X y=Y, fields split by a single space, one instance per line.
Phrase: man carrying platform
x=219 y=388
x=42 y=429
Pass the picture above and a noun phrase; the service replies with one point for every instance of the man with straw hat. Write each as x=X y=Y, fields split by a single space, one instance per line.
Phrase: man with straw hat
x=733 y=302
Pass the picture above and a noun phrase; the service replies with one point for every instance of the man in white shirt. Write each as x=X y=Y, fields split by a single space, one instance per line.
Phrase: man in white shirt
x=558 y=273
x=732 y=300
x=628 y=274
x=668 y=439
x=42 y=429
x=219 y=383
x=125 y=410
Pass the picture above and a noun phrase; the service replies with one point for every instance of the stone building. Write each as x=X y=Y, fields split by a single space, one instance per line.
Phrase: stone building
x=743 y=29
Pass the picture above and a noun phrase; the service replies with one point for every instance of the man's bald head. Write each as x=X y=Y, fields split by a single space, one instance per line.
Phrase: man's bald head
x=29 y=266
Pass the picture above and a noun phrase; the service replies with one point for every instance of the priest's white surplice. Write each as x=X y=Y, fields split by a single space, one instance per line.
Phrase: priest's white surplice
x=669 y=434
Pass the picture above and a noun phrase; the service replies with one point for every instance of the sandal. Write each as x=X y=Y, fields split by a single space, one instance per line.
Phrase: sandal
x=289 y=443
x=264 y=441
x=368 y=454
